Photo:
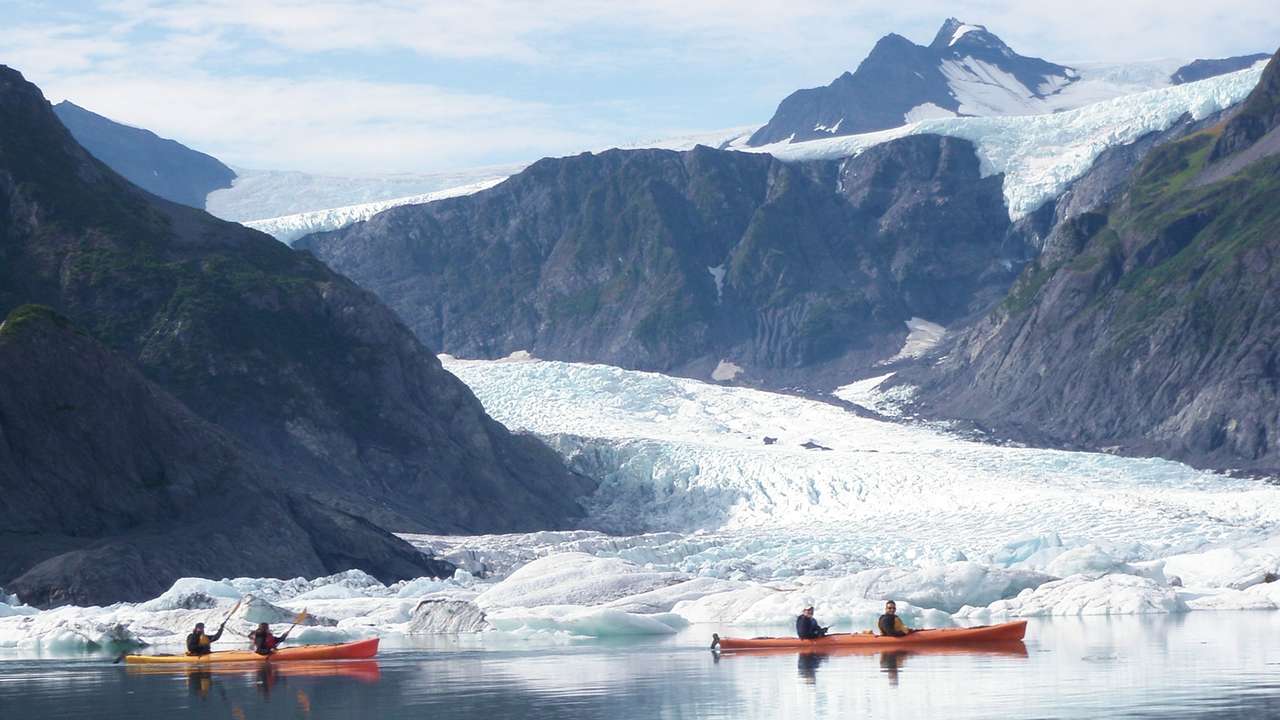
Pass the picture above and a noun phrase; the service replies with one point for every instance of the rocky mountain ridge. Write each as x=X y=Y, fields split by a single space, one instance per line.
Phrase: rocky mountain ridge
x=112 y=488
x=160 y=166
x=1151 y=328
x=689 y=262
x=316 y=381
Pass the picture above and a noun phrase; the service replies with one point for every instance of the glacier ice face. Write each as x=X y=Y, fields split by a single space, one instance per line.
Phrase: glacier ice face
x=680 y=455
x=1040 y=154
x=287 y=228
x=728 y=530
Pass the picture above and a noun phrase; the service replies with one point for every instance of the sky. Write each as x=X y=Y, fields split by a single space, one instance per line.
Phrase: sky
x=380 y=86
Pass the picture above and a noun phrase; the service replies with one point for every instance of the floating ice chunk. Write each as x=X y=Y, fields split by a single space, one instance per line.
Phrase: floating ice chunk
x=426 y=586
x=1224 y=567
x=574 y=578
x=759 y=605
x=664 y=599
x=1031 y=550
x=10 y=606
x=191 y=593
x=332 y=591
x=68 y=629
x=583 y=621
x=1087 y=560
x=1083 y=595
x=447 y=616
x=944 y=587
x=1227 y=599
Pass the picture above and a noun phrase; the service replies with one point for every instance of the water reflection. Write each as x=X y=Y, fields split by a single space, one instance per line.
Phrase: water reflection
x=1213 y=665
x=807 y=665
x=890 y=664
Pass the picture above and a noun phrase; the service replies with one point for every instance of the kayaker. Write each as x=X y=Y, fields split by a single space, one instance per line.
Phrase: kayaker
x=198 y=643
x=890 y=624
x=264 y=643
x=807 y=628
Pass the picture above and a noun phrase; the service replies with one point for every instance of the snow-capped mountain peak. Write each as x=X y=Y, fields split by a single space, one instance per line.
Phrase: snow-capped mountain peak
x=956 y=32
x=966 y=71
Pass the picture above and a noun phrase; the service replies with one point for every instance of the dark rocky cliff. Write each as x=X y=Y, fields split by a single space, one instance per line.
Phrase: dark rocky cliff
x=310 y=373
x=1204 y=69
x=160 y=166
x=671 y=261
x=111 y=489
x=1156 y=328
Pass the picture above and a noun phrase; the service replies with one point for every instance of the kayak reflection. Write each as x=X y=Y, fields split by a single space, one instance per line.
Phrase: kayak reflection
x=808 y=660
x=200 y=679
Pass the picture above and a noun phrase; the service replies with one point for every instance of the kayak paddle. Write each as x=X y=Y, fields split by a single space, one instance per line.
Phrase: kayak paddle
x=234 y=608
x=301 y=616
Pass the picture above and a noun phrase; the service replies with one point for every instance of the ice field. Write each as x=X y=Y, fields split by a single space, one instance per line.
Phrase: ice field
x=735 y=507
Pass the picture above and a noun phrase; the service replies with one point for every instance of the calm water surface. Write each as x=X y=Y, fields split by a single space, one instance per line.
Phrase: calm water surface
x=1222 y=665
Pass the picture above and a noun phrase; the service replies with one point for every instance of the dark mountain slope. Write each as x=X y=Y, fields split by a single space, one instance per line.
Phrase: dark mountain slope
x=309 y=372
x=675 y=261
x=1159 y=329
x=162 y=167
x=1204 y=69
x=111 y=489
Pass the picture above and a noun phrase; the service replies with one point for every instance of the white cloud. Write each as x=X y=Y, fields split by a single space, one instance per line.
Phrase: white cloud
x=326 y=124
x=223 y=75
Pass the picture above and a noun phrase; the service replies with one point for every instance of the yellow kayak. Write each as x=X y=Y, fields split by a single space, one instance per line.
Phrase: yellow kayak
x=358 y=650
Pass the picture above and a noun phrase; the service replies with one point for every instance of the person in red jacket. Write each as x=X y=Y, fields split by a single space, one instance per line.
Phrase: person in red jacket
x=264 y=643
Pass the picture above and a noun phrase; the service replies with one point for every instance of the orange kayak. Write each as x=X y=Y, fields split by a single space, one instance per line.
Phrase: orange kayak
x=361 y=670
x=1004 y=633
x=360 y=650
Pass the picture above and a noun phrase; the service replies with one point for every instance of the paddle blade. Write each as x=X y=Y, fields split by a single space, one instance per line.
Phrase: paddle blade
x=301 y=616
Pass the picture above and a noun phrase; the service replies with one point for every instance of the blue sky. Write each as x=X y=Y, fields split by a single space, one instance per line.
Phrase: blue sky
x=392 y=86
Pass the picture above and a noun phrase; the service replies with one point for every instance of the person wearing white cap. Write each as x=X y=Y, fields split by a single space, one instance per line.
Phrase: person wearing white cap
x=807 y=628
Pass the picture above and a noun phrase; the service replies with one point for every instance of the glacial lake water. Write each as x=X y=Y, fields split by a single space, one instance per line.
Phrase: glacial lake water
x=1202 y=664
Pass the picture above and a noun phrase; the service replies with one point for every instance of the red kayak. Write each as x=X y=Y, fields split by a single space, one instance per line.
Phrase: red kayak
x=972 y=636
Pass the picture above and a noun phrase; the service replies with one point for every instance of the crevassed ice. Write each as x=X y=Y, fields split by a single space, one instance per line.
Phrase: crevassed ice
x=1040 y=154
x=711 y=525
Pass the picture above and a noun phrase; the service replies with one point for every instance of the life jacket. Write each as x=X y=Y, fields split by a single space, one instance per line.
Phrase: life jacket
x=264 y=643
x=197 y=643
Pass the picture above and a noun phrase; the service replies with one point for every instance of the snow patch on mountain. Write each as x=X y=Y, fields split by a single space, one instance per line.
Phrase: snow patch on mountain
x=926 y=111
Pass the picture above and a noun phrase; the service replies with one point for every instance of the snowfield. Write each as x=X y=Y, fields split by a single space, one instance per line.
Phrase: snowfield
x=699 y=520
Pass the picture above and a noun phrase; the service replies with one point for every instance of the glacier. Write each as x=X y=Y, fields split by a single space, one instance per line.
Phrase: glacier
x=699 y=522
x=1040 y=154
x=1040 y=146
x=288 y=228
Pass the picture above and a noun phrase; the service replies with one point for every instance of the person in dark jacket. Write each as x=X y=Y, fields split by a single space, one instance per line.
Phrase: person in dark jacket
x=264 y=643
x=198 y=643
x=807 y=628
x=890 y=624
